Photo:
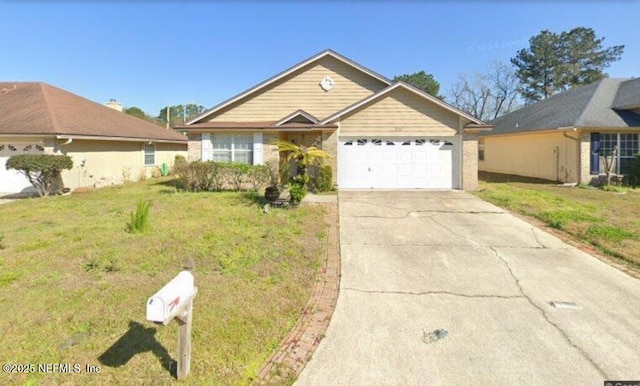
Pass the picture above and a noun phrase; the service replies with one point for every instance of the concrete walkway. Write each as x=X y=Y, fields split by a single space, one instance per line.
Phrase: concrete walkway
x=443 y=288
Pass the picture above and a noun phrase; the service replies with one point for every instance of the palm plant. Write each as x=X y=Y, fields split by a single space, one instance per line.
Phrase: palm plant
x=303 y=156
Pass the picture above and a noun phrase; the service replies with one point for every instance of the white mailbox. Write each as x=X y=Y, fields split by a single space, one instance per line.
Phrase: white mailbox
x=167 y=303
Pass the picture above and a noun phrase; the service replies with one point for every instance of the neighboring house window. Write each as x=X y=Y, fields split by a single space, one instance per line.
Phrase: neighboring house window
x=150 y=154
x=233 y=148
x=481 y=150
x=626 y=145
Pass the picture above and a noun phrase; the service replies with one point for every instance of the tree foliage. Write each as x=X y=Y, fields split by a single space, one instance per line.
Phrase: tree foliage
x=179 y=114
x=136 y=112
x=489 y=94
x=303 y=156
x=42 y=170
x=423 y=81
x=556 y=62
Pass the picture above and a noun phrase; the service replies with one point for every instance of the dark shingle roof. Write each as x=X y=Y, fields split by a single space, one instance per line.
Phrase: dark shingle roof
x=586 y=106
x=628 y=95
x=39 y=108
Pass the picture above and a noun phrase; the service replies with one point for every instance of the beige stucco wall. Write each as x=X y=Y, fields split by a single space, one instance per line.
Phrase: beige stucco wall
x=401 y=113
x=302 y=90
x=102 y=163
x=547 y=155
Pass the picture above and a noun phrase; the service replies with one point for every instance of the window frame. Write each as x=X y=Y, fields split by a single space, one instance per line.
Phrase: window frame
x=606 y=142
x=146 y=153
x=234 y=147
x=481 y=149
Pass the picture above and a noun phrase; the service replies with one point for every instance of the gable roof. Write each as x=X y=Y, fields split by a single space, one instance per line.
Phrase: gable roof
x=586 y=106
x=299 y=113
x=404 y=86
x=275 y=78
x=39 y=108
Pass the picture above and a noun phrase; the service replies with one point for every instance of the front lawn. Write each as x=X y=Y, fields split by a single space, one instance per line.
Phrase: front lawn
x=607 y=220
x=74 y=283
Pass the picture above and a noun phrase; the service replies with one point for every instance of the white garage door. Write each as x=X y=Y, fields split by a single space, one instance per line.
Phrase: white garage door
x=397 y=163
x=11 y=181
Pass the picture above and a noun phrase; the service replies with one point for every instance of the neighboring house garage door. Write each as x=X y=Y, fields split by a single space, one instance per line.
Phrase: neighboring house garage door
x=398 y=163
x=11 y=181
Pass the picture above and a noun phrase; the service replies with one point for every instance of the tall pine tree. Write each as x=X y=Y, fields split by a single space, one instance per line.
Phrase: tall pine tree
x=556 y=62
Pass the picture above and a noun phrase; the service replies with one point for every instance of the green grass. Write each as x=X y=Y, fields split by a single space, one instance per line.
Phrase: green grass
x=74 y=283
x=603 y=218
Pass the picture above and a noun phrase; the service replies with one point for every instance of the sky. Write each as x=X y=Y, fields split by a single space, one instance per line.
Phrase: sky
x=151 y=54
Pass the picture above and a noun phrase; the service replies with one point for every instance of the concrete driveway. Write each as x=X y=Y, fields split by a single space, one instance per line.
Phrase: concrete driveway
x=417 y=262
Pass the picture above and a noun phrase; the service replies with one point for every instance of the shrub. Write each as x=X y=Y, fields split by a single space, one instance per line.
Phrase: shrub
x=140 y=218
x=236 y=174
x=42 y=170
x=321 y=178
x=298 y=188
x=194 y=176
x=258 y=176
x=633 y=177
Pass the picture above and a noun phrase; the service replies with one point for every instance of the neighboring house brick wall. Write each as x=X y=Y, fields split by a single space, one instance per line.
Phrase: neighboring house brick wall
x=302 y=91
x=401 y=113
x=194 y=151
x=469 y=161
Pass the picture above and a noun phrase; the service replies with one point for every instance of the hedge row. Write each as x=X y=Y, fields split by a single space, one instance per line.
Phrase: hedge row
x=212 y=176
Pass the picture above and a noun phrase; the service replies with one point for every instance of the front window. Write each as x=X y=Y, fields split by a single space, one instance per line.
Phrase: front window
x=626 y=146
x=150 y=154
x=233 y=148
x=481 y=150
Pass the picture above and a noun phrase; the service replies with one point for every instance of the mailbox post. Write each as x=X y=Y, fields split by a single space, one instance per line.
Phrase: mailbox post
x=175 y=301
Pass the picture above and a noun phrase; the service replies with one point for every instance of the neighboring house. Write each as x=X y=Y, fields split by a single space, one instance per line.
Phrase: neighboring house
x=106 y=146
x=562 y=138
x=380 y=134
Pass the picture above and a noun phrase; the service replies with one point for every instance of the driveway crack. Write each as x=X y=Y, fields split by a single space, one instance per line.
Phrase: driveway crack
x=545 y=316
x=422 y=293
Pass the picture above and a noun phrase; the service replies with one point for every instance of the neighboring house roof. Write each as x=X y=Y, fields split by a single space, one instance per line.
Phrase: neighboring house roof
x=286 y=72
x=37 y=108
x=410 y=88
x=592 y=105
x=628 y=96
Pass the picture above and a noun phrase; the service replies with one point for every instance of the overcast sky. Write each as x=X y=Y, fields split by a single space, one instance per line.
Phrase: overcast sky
x=155 y=53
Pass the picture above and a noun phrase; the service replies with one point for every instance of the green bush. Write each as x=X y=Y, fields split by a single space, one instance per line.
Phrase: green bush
x=259 y=176
x=236 y=174
x=212 y=176
x=42 y=170
x=633 y=177
x=298 y=188
x=195 y=176
x=140 y=218
x=321 y=179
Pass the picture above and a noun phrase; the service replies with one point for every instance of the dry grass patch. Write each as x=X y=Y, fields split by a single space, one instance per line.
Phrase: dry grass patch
x=74 y=282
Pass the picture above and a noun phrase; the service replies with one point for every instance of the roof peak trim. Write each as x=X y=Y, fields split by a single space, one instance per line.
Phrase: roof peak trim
x=286 y=72
x=297 y=113
x=404 y=86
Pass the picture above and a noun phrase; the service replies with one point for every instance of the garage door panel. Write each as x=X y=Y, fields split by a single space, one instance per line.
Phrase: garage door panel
x=392 y=163
x=12 y=181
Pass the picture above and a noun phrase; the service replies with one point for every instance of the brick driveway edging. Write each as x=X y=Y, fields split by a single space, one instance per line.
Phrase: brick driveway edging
x=296 y=349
